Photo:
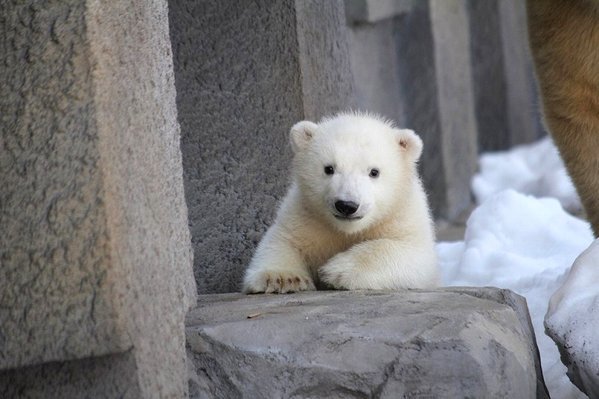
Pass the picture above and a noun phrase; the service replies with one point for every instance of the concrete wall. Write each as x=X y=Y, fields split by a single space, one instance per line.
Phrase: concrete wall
x=95 y=275
x=245 y=73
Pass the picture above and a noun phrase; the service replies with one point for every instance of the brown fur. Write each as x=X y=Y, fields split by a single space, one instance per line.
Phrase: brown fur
x=564 y=38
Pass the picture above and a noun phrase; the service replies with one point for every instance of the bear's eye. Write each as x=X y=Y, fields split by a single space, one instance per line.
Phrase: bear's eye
x=374 y=172
x=329 y=170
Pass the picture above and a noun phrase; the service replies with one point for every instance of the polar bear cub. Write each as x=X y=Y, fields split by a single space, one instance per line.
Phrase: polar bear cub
x=356 y=215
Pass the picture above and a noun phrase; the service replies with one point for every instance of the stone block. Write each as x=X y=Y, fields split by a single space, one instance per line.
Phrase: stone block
x=504 y=87
x=245 y=73
x=448 y=343
x=459 y=148
x=56 y=297
x=522 y=102
x=323 y=53
x=53 y=275
x=488 y=75
x=375 y=65
x=418 y=92
x=435 y=85
x=371 y=11
x=95 y=254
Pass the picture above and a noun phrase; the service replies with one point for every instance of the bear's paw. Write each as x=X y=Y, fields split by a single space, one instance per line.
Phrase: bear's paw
x=347 y=271
x=339 y=273
x=280 y=282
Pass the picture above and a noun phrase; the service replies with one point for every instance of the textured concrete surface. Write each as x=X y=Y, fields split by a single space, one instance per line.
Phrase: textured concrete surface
x=93 y=262
x=448 y=343
x=327 y=82
x=56 y=285
x=245 y=73
x=139 y=142
x=101 y=377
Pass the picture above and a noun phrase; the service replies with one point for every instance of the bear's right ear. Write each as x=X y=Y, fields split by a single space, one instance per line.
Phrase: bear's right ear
x=301 y=134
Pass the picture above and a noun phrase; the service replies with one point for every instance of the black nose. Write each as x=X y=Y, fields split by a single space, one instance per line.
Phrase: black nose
x=346 y=208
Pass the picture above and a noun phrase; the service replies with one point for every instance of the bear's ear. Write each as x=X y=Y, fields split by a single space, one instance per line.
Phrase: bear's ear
x=409 y=143
x=301 y=134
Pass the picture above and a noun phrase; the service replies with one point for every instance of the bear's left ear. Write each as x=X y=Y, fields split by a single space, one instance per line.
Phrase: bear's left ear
x=301 y=134
x=409 y=143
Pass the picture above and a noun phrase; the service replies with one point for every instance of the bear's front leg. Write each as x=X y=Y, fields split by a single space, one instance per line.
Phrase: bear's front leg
x=277 y=267
x=382 y=264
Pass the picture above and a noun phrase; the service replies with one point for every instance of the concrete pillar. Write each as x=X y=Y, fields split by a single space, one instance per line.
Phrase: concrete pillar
x=506 y=102
x=451 y=45
x=435 y=84
x=323 y=52
x=245 y=73
x=95 y=256
x=375 y=66
x=411 y=62
x=488 y=75
x=522 y=102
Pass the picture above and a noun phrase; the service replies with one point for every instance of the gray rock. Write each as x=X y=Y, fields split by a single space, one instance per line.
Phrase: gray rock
x=446 y=343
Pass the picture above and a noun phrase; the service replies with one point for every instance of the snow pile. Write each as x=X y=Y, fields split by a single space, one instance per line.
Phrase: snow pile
x=527 y=245
x=569 y=324
x=534 y=169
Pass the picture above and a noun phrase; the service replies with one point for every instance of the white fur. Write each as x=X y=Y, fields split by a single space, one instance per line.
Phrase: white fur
x=390 y=243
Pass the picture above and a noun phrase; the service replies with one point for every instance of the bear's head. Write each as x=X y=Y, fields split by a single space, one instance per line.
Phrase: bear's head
x=354 y=170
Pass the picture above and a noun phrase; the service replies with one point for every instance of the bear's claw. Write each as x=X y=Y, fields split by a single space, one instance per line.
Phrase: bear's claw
x=279 y=283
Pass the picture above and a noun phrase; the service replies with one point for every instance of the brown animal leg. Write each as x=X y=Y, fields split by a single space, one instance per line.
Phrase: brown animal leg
x=564 y=38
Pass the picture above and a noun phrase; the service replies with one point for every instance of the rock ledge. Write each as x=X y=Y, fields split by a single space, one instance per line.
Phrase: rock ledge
x=446 y=343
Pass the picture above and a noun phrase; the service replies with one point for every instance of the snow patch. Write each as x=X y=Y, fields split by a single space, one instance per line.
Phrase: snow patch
x=534 y=169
